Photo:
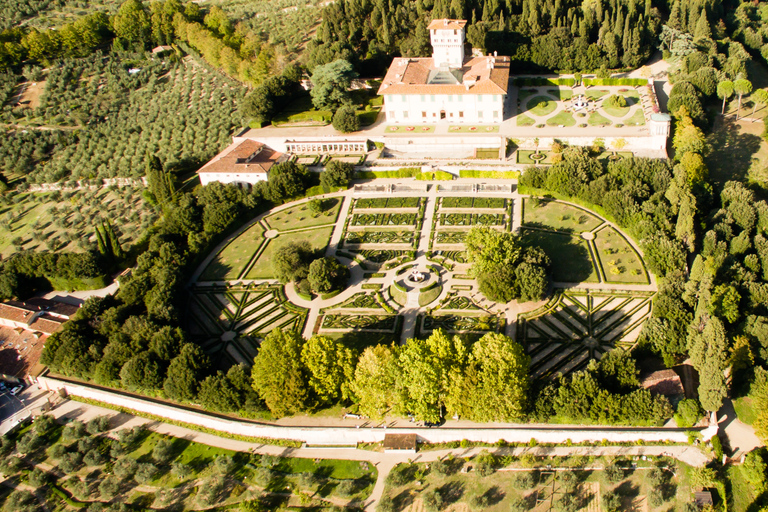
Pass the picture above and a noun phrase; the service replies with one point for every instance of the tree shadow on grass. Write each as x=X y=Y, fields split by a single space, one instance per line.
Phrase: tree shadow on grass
x=571 y=260
x=735 y=150
x=451 y=492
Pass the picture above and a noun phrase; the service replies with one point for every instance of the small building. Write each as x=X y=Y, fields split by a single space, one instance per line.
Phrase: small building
x=159 y=50
x=703 y=498
x=400 y=443
x=245 y=162
x=664 y=382
x=447 y=87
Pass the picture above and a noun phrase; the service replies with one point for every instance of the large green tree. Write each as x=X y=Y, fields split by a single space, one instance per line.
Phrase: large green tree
x=278 y=374
x=330 y=366
x=292 y=260
x=185 y=372
x=132 y=22
x=330 y=85
x=327 y=274
x=377 y=381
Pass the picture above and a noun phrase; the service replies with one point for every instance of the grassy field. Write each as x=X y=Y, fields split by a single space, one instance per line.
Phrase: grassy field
x=301 y=112
x=541 y=105
x=744 y=409
x=636 y=119
x=620 y=263
x=524 y=157
x=558 y=216
x=229 y=263
x=561 y=119
x=66 y=221
x=738 y=144
x=300 y=216
x=262 y=269
x=523 y=120
x=571 y=261
x=429 y=296
x=503 y=490
x=596 y=119
x=595 y=94
x=561 y=94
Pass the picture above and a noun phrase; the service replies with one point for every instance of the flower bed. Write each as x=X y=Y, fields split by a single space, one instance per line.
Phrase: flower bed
x=450 y=237
x=388 y=202
x=379 y=237
x=385 y=323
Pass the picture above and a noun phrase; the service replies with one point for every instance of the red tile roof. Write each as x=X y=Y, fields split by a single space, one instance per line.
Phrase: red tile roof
x=446 y=24
x=53 y=307
x=664 y=382
x=17 y=313
x=46 y=324
x=247 y=156
x=479 y=75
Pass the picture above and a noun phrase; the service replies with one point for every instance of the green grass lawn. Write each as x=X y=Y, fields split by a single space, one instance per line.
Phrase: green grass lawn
x=228 y=264
x=426 y=128
x=400 y=297
x=428 y=296
x=524 y=157
x=738 y=143
x=262 y=269
x=561 y=94
x=525 y=93
x=744 y=409
x=300 y=216
x=595 y=94
x=595 y=119
x=636 y=119
x=561 y=119
x=741 y=496
x=571 y=261
x=619 y=111
x=541 y=105
x=620 y=263
x=473 y=129
x=558 y=216
x=630 y=93
x=523 y=120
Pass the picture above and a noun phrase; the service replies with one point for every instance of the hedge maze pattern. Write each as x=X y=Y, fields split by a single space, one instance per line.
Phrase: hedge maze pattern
x=474 y=202
x=245 y=311
x=379 y=237
x=388 y=202
x=384 y=219
x=473 y=219
x=574 y=327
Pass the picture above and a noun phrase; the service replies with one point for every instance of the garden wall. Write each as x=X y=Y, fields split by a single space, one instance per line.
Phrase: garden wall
x=353 y=435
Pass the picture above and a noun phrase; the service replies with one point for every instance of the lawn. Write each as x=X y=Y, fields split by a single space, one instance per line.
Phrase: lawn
x=620 y=262
x=636 y=119
x=595 y=119
x=595 y=94
x=411 y=128
x=523 y=120
x=429 y=296
x=738 y=143
x=561 y=119
x=524 y=157
x=262 y=269
x=524 y=93
x=300 y=216
x=58 y=221
x=541 y=105
x=229 y=263
x=561 y=94
x=399 y=296
x=744 y=409
x=741 y=495
x=558 y=216
x=571 y=261
x=473 y=129
x=619 y=111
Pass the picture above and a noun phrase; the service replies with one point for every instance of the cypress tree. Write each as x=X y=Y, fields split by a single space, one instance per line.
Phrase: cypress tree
x=703 y=31
x=674 y=16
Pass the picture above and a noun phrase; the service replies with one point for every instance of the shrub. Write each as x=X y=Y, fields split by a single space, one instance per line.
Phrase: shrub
x=346 y=488
x=655 y=498
x=145 y=472
x=163 y=451
x=613 y=473
x=688 y=413
x=345 y=120
x=98 y=424
x=615 y=101
x=524 y=480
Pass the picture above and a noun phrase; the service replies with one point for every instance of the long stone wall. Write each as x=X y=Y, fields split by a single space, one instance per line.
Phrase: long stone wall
x=353 y=435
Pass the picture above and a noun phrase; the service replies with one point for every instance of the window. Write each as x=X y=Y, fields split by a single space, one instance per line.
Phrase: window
x=495 y=114
x=495 y=97
x=460 y=97
x=450 y=98
x=424 y=114
x=402 y=98
x=479 y=114
x=461 y=113
x=422 y=98
x=432 y=98
x=405 y=114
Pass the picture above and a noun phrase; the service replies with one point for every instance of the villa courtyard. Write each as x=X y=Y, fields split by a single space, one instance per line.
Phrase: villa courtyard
x=602 y=289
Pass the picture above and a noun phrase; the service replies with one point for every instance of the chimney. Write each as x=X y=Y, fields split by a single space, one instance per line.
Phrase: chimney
x=495 y=53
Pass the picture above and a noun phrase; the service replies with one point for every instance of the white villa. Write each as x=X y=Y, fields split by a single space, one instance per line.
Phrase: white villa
x=245 y=162
x=448 y=86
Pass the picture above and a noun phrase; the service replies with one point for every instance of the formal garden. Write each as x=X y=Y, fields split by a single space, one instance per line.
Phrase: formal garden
x=79 y=465
x=238 y=299
x=574 y=327
x=604 y=106
x=590 y=249
x=498 y=482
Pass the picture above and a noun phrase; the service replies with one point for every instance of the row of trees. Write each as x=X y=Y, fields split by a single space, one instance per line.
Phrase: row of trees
x=430 y=379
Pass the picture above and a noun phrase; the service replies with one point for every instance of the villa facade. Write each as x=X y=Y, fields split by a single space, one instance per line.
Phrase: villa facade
x=447 y=87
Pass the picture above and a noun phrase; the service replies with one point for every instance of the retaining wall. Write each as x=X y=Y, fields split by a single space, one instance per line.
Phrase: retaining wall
x=353 y=435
